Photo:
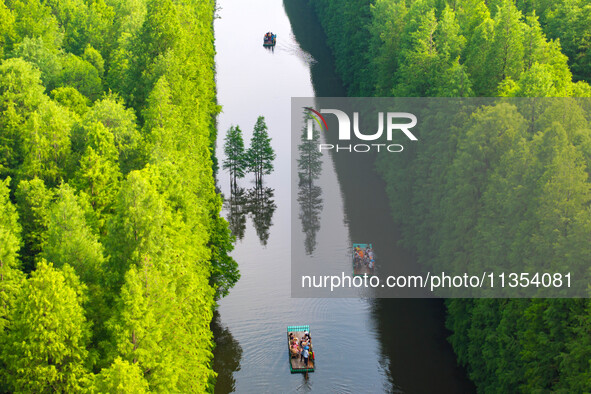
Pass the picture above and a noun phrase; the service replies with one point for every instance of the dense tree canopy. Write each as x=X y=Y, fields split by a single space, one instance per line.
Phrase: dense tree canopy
x=112 y=248
x=506 y=186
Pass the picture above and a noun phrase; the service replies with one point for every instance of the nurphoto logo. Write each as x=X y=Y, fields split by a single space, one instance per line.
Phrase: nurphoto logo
x=393 y=124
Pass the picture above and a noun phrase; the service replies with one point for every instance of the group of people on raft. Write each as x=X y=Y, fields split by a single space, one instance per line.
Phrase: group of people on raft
x=301 y=347
x=269 y=37
x=364 y=256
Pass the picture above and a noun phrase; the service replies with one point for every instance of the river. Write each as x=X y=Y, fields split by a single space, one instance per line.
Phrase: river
x=362 y=345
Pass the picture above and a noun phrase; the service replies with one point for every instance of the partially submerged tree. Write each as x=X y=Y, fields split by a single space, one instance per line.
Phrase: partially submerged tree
x=235 y=160
x=260 y=155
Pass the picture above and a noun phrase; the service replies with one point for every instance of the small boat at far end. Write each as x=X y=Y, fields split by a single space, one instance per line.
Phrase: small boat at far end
x=269 y=40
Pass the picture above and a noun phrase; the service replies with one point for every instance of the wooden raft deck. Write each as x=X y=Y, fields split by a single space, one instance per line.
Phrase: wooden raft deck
x=295 y=365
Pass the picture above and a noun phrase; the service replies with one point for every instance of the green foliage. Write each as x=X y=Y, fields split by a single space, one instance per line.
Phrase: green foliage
x=260 y=154
x=46 y=144
x=70 y=98
x=121 y=122
x=33 y=200
x=21 y=93
x=567 y=21
x=350 y=19
x=139 y=225
x=69 y=239
x=6 y=27
x=141 y=199
x=34 y=18
x=98 y=176
x=121 y=377
x=9 y=230
x=235 y=155
x=443 y=48
x=82 y=75
x=46 y=341
x=10 y=277
x=506 y=186
x=45 y=56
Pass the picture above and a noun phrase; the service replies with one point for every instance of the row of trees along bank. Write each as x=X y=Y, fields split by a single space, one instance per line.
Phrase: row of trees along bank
x=112 y=250
x=473 y=195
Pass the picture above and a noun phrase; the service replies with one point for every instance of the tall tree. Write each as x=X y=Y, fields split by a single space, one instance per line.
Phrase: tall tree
x=70 y=240
x=10 y=277
x=140 y=225
x=33 y=201
x=235 y=155
x=505 y=58
x=260 y=154
x=98 y=176
x=21 y=93
x=46 y=343
x=46 y=144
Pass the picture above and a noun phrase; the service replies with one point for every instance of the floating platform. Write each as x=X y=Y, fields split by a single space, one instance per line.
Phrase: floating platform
x=295 y=365
x=361 y=269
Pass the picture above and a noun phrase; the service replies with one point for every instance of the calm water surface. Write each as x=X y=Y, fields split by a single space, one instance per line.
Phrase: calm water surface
x=362 y=346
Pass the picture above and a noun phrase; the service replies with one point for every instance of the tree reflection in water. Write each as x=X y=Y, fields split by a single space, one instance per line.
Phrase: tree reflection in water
x=261 y=207
x=235 y=207
x=309 y=194
x=256 y=202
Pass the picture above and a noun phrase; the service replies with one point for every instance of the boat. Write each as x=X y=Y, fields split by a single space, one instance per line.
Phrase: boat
x=362 y=266
x=269 y=39
x=295 y=364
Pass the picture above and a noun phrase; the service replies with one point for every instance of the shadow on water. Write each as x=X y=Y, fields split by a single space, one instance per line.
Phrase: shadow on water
x=311 y=37
x=226 y=356
x=413 y=338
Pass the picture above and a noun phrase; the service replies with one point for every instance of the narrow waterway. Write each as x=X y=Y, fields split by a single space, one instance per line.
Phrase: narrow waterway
x=362 y=346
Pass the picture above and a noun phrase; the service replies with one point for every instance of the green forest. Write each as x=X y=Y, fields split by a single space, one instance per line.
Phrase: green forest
x=112 y=249
x=508 y=187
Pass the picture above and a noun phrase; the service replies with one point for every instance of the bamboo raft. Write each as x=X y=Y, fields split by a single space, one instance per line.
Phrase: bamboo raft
x=361 y=269
x=295 y=365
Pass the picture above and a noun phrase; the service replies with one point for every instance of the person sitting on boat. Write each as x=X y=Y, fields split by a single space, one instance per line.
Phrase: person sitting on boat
x=294 y=349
